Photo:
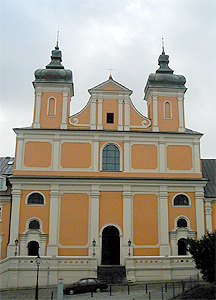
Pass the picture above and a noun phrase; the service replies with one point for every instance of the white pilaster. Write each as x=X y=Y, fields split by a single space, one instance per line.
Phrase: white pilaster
x=52 y=247
x=162 y=155
x=56 y=152
x=36 y=123
x=95 y=154
x=64 y=111
x=120 y=113
x=180 y=113
x=94 y=220
x=155 y=114
x=208 y=212
x=127 y=221
x=20 y=151
x=127 y=113
x=14 y=226
x=199 y=196
x=93 y=113
x=163 y=219
x=197 y=164
x=126 y=155
x=100 y=102
x=1 y=234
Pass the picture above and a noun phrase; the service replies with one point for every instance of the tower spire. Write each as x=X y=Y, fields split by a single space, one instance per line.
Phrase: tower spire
x=57 y=40
x=163 y=44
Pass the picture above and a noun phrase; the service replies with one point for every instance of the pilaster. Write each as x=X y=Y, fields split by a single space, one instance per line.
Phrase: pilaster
x=126 y=155
x=94 y=220
x=36 y=123
x=20 y=151
x=14 y=226
x=208 y=213
x=155 y=114
x=180 y=113
x=127 y=220
x=64 y=111
x=56 y=152
x=199 y=196
x=100 y=102
x=95 y=153
x=120 y=113
x=52 y=247
x=127 y=113
x=93 y=113
x=164 y=224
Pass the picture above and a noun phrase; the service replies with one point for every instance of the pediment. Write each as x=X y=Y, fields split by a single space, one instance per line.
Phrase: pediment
x=109 y=86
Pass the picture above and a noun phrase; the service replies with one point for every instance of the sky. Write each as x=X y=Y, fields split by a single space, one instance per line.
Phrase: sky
x=96 y=35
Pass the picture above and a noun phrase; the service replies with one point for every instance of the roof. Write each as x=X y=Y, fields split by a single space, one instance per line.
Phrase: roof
x=6 y=165
x=209 y=172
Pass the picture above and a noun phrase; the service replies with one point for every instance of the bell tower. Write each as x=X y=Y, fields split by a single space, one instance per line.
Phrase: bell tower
x=164 y=93
x=53 y=91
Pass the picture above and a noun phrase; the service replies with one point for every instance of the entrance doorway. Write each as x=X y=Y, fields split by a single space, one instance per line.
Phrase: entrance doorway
x=182 y=247
x=110 y=246
x=33 y=248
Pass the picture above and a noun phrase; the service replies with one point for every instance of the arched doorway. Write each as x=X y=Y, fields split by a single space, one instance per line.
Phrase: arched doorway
x=110 y=246
x=33 y=248
x=182 y=247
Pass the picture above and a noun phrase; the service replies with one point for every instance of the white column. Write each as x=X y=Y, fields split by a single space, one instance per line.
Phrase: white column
x=99 y=125
x=14 y=226
x=120 y=113
x=36 y=123
x=127 y=221
x=180 y=113
x=126 y=155
x=95 y=153
x=20 y=151
x=64 y=111
x=94 y=220
x=208 y=212
x=199 y=196
x=52 y=247
x=155 y=114
x=127 y=113
x=56 y=152
x=93 y=113
x=164 y=222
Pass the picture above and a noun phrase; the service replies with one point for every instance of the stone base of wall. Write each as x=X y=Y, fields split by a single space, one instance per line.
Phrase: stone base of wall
x=21 y=271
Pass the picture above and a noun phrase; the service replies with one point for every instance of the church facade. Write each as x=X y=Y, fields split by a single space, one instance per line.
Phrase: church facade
x=108 y=186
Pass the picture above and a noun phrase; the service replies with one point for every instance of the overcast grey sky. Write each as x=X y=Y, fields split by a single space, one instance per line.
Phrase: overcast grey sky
x=98 y=34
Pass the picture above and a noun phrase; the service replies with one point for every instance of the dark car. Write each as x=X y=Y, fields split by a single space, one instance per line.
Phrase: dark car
x=85 y=285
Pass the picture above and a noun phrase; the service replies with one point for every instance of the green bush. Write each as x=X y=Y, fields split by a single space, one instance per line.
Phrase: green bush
x=203 y=252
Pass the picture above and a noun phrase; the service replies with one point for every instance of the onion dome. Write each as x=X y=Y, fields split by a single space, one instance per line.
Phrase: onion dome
x=55 y=71
x=164 y=77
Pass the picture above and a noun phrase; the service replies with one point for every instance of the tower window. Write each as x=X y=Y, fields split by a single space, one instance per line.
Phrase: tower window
x=167 y=110
x=181 y=223
x=111 y=158
x=181 y=200
x=35 y=198
x=110 y=118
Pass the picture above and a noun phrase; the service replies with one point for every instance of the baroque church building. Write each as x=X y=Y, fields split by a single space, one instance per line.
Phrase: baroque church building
x=106 y=186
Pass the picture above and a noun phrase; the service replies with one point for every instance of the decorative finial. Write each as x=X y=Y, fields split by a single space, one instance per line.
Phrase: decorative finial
x=57 y=39
x=110 y=69
x=162 y=44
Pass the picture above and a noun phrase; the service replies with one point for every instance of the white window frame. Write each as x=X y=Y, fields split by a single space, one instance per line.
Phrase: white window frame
x=189 y=200
x=34 y=204
x=48 y=105
x=120 y=157
x=164 y=110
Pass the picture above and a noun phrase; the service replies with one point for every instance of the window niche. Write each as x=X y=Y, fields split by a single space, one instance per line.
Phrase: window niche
x=35 y=198
x=111 y=158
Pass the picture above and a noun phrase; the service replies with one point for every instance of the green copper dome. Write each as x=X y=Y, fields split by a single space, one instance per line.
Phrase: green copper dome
x=164 y=77
x=55 y=71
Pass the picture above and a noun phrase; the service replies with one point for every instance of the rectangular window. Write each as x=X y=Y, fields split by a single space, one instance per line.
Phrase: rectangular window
x=110 y=118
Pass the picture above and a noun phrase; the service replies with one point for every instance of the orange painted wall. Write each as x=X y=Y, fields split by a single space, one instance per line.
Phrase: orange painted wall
x=214 y=215
x=83 y=118
x=37 y=154
x=110 y=87
x=74 y=219
x=75 y=155
x=146 y=251
x=50 y=121
x=4 y=227
x=187 y=211
x=145 y=219
x=168 y=124
x=144 y=156
x=110 y=106
x=38 y=211
x=72 y=252
x=179 y=157
x=135 y=118
x=111 y=208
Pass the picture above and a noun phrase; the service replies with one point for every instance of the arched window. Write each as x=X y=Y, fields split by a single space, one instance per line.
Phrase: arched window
x=34 y=224
x=51 y=107
x=35 y=198
x=182 y=247
x=181 y=200
x=167 y=110
x=181 y=223
x=33 y=248
x=111 y=158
